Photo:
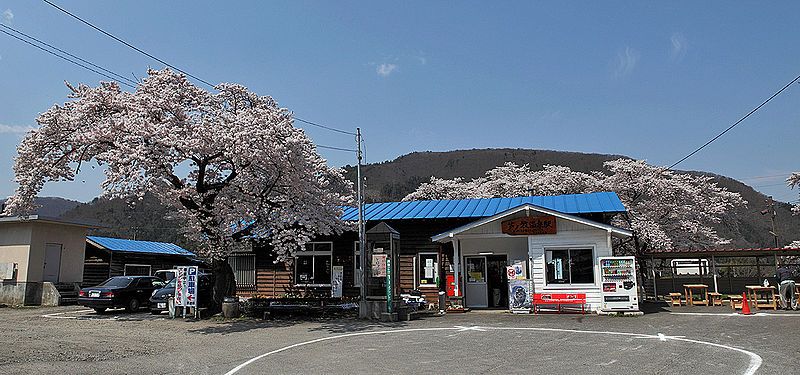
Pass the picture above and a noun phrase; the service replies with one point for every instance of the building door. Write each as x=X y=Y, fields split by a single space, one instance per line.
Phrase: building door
x=476 y=291
x=52 y=262
x=497 y=280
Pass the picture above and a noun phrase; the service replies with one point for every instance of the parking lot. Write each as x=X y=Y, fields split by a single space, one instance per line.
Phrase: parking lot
x=72 y=340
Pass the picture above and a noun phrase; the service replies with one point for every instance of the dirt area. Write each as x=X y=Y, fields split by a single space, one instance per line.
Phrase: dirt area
x=72 y=340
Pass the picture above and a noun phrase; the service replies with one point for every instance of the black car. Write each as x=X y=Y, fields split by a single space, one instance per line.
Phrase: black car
x=130 y=292
x=160 y=297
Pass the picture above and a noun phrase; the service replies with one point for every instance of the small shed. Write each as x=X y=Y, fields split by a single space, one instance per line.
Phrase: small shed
x=41 y=259
x=107 y=257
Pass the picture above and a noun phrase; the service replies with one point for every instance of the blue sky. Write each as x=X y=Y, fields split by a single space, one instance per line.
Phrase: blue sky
x=648 y=80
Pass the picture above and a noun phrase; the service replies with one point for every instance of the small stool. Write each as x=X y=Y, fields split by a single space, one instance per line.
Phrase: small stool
x=736 y=302
x=675 y=299
x=716 y=298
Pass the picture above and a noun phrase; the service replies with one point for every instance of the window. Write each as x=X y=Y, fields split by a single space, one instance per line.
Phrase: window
x=356 y=264
x=428 y=267
x=244 y=269
x=313 y=264
x=570 y=266
x=137 y=270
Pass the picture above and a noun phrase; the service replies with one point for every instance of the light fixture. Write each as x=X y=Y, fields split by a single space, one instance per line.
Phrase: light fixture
x=486 y=253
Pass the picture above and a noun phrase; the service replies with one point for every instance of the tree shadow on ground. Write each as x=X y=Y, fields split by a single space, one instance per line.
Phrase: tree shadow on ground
x=334 y=323
x=650 y=307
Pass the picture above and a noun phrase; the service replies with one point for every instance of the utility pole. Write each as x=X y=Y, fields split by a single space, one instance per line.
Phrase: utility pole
x=770 y=210
x=362 y=311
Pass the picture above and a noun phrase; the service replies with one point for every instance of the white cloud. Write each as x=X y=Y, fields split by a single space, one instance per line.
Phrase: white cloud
x=19 y=129
x=385 y=69
x=626 y=62
x=8 y=16
x=679 y=45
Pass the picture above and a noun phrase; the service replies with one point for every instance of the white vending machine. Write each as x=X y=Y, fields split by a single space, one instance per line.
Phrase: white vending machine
x=618 y=278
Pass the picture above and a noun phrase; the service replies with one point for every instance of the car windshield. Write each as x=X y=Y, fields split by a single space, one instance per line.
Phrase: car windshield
x=170 y=284
x=117 y=282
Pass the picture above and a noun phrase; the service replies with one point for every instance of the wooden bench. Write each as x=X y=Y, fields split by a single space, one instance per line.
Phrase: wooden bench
x=675 y=299
x=559 y=300
x=736 y=302
x=715 y=298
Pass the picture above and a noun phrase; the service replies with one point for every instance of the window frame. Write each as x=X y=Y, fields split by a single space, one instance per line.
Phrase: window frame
x=356 y=261
x=254 y=273
x=313 y=254
x=569 y=264
x=149 y=269
x=420 y=269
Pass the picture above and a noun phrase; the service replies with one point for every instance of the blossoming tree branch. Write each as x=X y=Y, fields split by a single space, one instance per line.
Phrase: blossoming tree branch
x=230 y=163
x=666 y=209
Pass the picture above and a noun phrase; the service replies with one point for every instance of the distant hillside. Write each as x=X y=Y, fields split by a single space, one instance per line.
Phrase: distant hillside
x=148 y=220
x=392 y=180
x=52 y=206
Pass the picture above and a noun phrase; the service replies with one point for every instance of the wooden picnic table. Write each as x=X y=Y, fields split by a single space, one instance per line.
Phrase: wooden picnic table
x=754 y=292
x=689 y=290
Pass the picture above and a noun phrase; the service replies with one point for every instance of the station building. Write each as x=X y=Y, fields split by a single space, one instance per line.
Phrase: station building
x=461 y=247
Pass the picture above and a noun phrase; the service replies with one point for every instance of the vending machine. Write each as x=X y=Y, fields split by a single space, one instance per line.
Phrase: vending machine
x=618 y=278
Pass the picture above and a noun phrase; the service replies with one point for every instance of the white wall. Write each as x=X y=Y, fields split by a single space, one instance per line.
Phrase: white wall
x=570 y=234
x=15 y=247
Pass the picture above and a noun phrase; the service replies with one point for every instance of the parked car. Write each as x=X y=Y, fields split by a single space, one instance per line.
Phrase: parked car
x=130 y=292
x=166 y=275
x=159 y=298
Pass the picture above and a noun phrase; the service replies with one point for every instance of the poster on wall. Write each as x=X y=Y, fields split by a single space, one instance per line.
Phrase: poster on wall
x=337 y=281
x=520 y=295
x=378 y=265
x=519 y=270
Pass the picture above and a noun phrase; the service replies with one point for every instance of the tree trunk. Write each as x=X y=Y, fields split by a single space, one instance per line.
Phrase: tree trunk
x=224 y=282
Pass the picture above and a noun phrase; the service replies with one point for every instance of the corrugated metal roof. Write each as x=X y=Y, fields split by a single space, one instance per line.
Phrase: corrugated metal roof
x=464 y=208
x=119 y=244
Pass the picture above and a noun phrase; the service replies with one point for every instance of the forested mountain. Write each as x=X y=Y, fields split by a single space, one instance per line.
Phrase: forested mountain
x=52 y=206
x=392 y=180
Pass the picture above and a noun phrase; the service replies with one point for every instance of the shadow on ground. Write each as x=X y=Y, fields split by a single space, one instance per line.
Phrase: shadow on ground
x=331 y=324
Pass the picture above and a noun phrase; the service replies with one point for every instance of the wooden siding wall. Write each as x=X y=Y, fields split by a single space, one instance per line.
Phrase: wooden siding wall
x=101 y=264
x=273 y=280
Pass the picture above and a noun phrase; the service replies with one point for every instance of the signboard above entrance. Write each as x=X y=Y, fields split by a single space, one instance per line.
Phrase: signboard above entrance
x=530 y=225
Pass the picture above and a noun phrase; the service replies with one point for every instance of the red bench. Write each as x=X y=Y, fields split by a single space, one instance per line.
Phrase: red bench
x=558 y=300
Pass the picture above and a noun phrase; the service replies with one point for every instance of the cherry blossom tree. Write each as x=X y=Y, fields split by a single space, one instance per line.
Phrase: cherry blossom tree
x=794 y=181
x=665 y=208
x=230 y=163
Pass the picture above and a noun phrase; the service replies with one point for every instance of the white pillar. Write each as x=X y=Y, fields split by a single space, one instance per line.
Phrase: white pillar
x=457 y=266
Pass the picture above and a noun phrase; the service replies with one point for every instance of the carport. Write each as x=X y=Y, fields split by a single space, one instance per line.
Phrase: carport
x=725 y=271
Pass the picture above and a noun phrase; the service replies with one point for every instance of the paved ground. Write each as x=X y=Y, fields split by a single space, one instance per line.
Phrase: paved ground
x=704 y=340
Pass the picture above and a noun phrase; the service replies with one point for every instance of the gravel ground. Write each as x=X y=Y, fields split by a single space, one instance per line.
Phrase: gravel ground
x=72 y=340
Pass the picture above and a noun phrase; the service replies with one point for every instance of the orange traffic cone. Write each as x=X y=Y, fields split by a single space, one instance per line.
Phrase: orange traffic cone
x=745 y=305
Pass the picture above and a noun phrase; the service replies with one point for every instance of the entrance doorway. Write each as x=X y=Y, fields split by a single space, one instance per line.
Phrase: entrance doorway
x=486 y=281
x=52 y=262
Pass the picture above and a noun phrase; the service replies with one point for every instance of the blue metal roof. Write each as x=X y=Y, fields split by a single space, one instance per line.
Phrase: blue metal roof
x=602 y=202
x=119 y=244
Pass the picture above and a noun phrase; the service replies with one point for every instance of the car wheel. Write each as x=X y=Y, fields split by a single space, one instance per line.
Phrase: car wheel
x=99 y=310
x=133 y=305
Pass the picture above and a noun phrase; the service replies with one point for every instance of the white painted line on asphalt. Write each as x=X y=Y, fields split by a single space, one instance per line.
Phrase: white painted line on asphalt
x=734 y=314
x=753 y=366
x=58 y=315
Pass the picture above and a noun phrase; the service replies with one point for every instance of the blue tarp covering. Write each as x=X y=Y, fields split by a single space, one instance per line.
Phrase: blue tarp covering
x=602 y=202
x=119 y=244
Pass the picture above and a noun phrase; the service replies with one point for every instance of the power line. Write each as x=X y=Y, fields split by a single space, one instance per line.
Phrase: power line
x=137 y=49
x=121 y=77
x=126 y=43
x=736 y=123
x=324 y=127
x=67 y=59
x=336 y=148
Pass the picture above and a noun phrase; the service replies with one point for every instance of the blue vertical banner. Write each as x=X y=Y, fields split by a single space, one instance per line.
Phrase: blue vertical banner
x=389 y=284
